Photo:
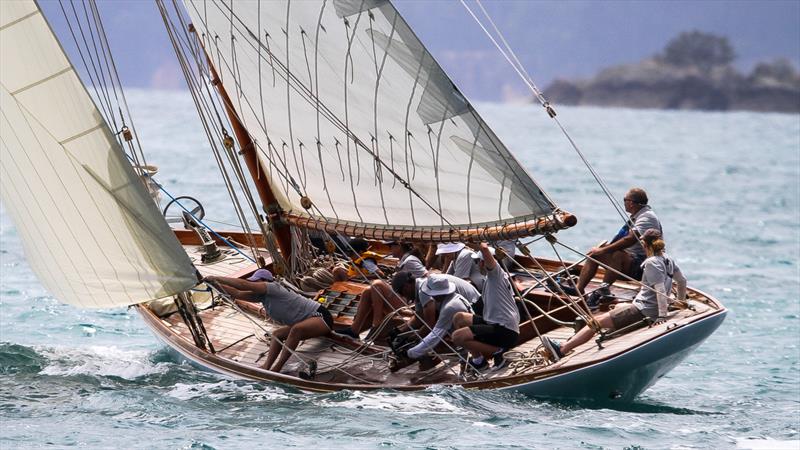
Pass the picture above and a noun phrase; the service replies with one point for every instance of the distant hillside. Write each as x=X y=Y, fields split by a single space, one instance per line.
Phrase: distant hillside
x=694 y=71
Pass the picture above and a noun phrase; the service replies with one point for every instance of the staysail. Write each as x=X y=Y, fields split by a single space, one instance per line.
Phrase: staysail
x=90 y=230
x=348 y=109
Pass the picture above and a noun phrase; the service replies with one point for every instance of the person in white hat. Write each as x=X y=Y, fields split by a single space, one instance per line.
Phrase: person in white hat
x=465 y=266
x=497 y=329
x=304 y=318
x=410 y=288
x=443 y=292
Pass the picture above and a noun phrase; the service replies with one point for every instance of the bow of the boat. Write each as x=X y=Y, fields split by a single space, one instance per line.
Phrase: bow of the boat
x=623 y=377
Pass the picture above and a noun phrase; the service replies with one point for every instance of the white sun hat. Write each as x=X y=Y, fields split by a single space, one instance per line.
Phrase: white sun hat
x=438 y=285
x=449 y=247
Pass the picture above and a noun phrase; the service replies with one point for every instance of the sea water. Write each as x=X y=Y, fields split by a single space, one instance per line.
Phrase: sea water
x=725 y=185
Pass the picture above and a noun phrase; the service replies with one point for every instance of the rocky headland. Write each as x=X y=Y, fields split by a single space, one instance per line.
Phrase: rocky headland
x=694 y=71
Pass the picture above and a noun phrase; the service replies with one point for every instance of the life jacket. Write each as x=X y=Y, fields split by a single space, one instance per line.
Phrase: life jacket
x=352 y=270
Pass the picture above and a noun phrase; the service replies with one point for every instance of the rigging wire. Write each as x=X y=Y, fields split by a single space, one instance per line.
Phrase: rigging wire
x=169 y=25
x=526 y=78
x=114 y=75
x=204 y=111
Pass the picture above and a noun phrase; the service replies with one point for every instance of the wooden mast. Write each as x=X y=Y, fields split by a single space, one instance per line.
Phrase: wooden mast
x=272 y=208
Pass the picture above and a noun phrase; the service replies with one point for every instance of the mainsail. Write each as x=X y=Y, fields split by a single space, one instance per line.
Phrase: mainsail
x=90 y=230
x=348 y=109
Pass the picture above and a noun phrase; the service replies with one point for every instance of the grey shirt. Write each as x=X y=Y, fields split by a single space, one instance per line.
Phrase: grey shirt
x=643 y=220
x=410 y=263
x=455 y=303
x=287 y=307
x=656 y=271
x=463 y=288
x=466 y=267
x=498 y=300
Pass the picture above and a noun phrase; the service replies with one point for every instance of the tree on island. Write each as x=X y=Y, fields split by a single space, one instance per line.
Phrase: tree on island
x=693 y=71
x=702 y=50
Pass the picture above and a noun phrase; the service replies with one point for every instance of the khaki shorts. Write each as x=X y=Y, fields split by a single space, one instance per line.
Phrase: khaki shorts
x=624 y=315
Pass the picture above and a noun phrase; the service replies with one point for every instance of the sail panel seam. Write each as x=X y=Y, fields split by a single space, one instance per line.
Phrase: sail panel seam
x=83 y=133
x=43 y=80
x=21 y=19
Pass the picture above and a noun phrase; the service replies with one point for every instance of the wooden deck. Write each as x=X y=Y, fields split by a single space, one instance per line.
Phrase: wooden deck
x=238 y=334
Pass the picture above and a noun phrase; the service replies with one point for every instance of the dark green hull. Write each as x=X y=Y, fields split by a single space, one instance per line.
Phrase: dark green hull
x=625 y=376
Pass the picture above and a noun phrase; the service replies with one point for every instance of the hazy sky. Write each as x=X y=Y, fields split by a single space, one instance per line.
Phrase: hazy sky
x=554 y=39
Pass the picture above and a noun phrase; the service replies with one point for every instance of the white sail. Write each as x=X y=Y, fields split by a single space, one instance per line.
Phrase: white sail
x=348 y=108
x=90 y=230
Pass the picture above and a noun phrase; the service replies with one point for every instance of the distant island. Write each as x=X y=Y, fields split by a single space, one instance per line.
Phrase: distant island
x=694 y=71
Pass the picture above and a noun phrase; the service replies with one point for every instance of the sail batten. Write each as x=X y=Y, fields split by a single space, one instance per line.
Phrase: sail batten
x=360 y=118
x=90 y=229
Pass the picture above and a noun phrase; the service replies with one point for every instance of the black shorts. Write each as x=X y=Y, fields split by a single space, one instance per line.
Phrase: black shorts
x=492 y=333
x=477 y=307
x=326 y=316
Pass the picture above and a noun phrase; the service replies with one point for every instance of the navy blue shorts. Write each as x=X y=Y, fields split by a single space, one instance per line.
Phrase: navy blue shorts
x=635 y=270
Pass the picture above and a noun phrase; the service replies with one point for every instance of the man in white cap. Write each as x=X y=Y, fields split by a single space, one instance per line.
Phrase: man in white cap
x=304 y=318
x=463 y=265
x=443 y=292
x=497 y=329
x=411 y=288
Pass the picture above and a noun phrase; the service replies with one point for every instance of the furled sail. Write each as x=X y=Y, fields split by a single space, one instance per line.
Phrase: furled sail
x=90 y=230
x=348 y=108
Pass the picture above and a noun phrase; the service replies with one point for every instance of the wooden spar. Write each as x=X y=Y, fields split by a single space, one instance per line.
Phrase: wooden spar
x=542 y=225
x=272 y=208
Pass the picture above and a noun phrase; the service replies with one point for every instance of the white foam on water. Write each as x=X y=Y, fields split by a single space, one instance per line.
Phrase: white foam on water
x=398 y=403
x=224 y=389
x=100 y=361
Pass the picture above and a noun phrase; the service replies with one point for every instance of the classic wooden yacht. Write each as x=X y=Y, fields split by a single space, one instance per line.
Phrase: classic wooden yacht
x=326 y=118
x=609 y=368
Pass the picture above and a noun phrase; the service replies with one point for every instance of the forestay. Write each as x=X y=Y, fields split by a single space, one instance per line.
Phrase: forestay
x=347 y=107
x=90 y=230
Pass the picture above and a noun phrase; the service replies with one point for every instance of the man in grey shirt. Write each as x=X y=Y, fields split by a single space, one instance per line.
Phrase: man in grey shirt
x=443 y=292
x=465 y=266
x=426 y=309
x=498 y=329
x=624 y=253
